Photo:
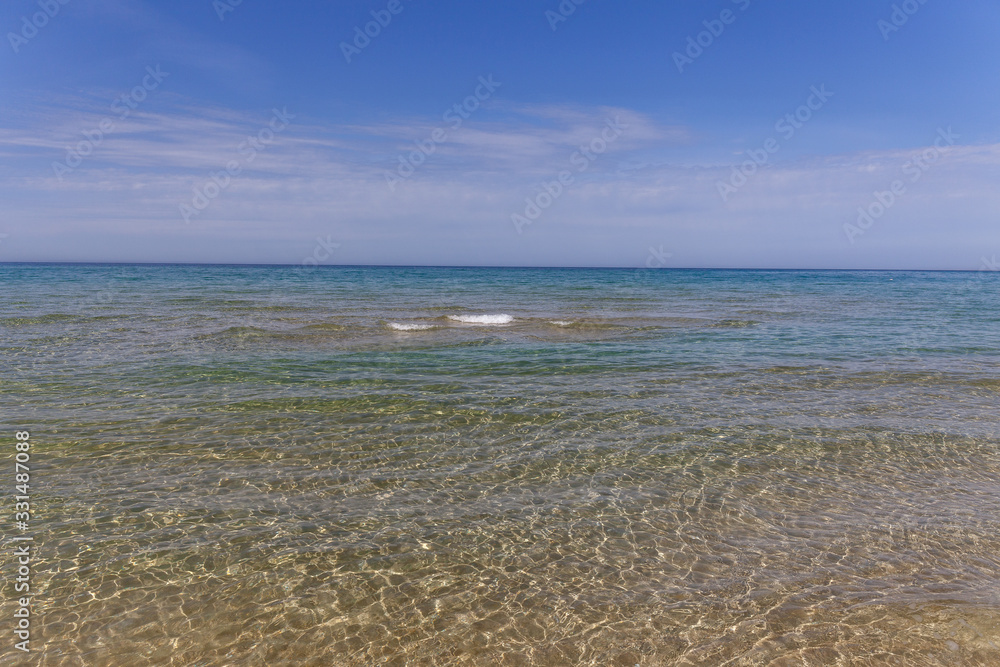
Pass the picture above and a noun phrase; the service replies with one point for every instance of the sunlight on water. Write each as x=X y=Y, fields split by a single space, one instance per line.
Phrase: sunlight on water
x=271 y=466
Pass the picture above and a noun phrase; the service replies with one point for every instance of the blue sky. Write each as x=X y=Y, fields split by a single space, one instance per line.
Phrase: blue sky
x=603 y=134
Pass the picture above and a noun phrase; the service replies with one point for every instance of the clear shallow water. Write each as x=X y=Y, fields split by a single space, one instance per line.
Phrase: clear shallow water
x=358 y=466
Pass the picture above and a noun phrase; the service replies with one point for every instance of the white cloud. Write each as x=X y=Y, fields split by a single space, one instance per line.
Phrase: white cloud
x=322 y=178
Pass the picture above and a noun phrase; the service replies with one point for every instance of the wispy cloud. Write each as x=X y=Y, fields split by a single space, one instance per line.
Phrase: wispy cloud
x=328 y=177
x=158 y=37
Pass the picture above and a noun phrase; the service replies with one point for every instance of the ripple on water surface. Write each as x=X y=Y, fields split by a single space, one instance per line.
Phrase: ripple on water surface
x=332 y=467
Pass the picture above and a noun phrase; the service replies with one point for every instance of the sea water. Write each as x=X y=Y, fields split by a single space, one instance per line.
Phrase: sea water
x=239 y=465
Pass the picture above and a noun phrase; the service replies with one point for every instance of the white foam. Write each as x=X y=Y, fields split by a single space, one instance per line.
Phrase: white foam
x=410 y=327
x=560 y=323
x=501 y=318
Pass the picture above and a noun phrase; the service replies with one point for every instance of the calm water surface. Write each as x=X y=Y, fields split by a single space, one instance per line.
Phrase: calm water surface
x=405 y=466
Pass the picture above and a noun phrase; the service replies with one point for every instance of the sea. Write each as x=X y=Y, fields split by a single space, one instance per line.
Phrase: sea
x=268 y=465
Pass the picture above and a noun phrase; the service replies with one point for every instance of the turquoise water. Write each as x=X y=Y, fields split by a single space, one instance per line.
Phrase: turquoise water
x=420 y=466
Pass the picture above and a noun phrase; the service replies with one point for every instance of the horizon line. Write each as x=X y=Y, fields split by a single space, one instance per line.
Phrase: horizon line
x=481 y=266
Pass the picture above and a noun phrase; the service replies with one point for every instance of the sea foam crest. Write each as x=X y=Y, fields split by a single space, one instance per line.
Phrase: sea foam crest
x=410 y=327
x=501 y=318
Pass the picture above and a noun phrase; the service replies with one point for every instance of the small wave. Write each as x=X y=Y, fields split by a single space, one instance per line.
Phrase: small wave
x=326 y=326
x=585 y=325
x=243 y=331
x=410 y=327
x=734 y=324
x=502 y=318
x=234 y=333
x=38 y=319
